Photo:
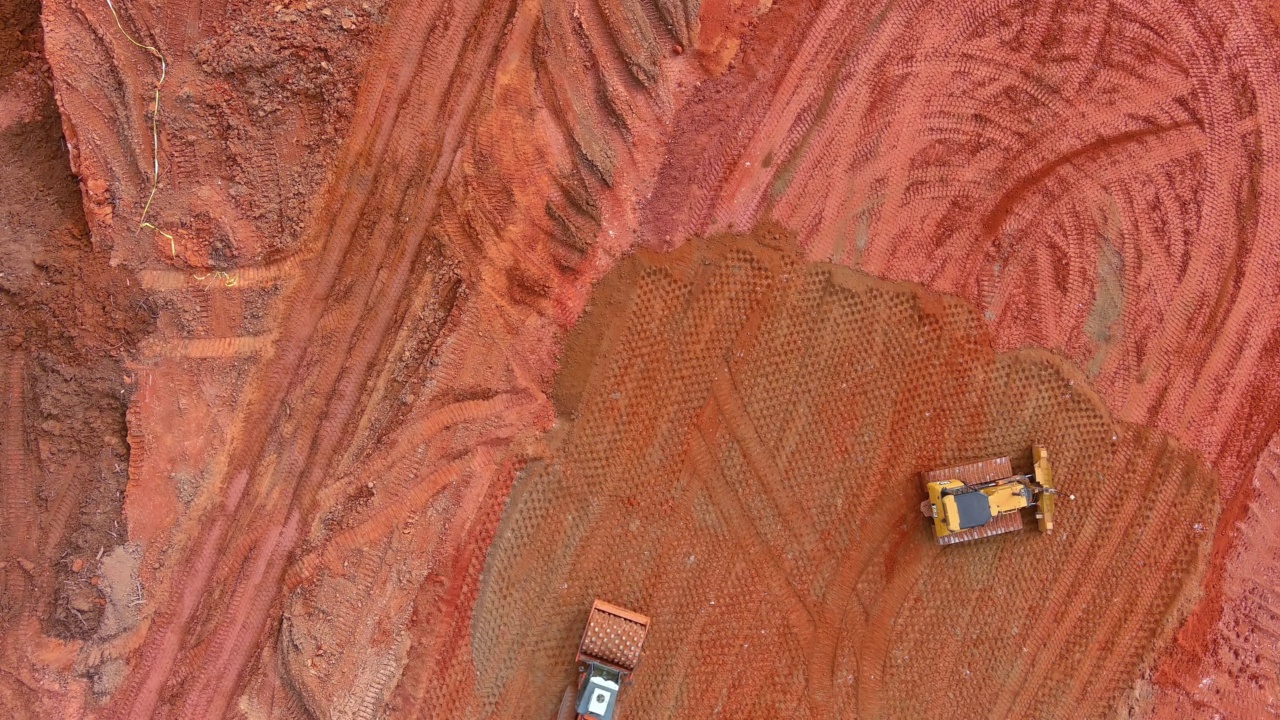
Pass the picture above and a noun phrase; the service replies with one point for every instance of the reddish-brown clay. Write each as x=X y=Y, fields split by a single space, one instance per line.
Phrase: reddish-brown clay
x=742 y=462
x=275 y=426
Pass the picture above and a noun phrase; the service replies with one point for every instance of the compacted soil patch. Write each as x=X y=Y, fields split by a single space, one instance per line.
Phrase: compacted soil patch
x=744 y=434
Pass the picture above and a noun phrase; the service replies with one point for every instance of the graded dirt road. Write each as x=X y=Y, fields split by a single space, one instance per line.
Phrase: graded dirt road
x=272 y=379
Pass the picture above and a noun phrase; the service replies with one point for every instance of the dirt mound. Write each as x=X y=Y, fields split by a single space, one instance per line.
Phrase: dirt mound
x=742 y=464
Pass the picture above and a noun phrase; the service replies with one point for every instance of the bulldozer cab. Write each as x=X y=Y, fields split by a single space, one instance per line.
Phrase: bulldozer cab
x=971 y=509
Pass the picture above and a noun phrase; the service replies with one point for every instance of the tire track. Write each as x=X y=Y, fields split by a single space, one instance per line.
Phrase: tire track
x=414 y=137
x=872 y=175
x=145 y=690
x=387 y=515
x=400 y=447
x=229 y=651
x=903 y=149
x=853 y=110
x=17 y=509
x=416 y=699
x=239 y=619
x=247 y=276
x=203 y=348
x=521 y=259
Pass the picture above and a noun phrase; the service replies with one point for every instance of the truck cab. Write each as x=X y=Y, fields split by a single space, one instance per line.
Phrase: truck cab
x=598 y=691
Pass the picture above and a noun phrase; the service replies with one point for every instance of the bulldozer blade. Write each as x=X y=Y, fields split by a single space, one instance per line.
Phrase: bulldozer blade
x=1044 y=478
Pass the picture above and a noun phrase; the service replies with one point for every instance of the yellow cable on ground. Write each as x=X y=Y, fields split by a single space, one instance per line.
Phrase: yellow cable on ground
x=227 y=280
x=155 y=130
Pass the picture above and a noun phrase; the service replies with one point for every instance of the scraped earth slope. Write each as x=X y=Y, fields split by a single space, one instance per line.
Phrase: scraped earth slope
x=375 y=221
x=68 y=323
x=743 y=463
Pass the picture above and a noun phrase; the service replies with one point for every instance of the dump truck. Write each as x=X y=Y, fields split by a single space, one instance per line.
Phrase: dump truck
x=608 y=652
x=986 y=498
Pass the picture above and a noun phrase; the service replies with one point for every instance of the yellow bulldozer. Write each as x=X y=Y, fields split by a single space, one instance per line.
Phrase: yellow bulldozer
x=986 y=498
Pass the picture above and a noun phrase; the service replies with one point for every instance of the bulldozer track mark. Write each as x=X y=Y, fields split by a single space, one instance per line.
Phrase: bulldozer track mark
x=92 y=106
x=422 y=692
x=17 y=497
x=765 y=468
x=462 y=526
x=1176 y=501
x=362 y=157
x=499 y=146
x=403 y=498
x=1086 y=567
x=475 y=219
x=1012 y=699
x=61 y=510
x=894 y=175
x=208 y=347
x=874 y=648
x=875 y=534
x=798 y=612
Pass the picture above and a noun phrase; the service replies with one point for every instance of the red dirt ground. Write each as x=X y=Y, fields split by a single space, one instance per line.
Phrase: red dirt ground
x=255 y=452
x=744 y=464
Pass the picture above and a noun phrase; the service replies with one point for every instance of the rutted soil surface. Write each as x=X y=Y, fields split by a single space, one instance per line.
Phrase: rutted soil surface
x=271 y=374
x=68 y=322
